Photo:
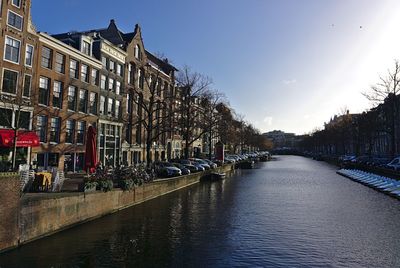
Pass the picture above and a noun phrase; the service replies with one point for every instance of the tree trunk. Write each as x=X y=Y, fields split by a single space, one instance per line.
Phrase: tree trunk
x=210 y=145
x=14 y=153
x=186 y=148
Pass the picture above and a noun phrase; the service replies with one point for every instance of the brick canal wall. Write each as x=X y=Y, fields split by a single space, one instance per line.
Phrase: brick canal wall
x=9 y=209
x=38 y=215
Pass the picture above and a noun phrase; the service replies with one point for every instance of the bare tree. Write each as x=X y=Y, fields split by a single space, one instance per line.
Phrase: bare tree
x=193 y=87
x=154 y=104
x=210 y=116
x=387 y=91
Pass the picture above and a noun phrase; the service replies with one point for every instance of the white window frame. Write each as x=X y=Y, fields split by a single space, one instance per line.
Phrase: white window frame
x=61 y=93
x=137 y=52
x=105 y=82
x=30 y=87
x=102 y=107
x=117 y=105
x=5 y=50
x=111 y=83
x=26 y=53
x=86 y=78
x=117 y=87
x=119 y=69
x=12 y=26
x=96 y=80
x=110 y=101
x=16 y=84
x=12 y=2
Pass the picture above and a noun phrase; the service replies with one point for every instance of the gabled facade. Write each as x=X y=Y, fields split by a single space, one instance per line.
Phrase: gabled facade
x=66 y=103
x=19 y=45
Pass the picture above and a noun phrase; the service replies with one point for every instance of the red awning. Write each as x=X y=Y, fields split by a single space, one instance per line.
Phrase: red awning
x=24 y=138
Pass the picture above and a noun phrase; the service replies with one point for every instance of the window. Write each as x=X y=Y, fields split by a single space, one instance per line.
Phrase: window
x=95 y=77
x=110 y=84
x=73 y=69
x=44 y=89
x=71 y=98
x=82 y=101
x=93 y=103
x=14 y=20
x=117 y=108
x=24 y=119
x=55 y=129
x=131 y=74
x=10 y=79
x=80 y=137
x=46 y=57
x=104 y=62
x=102 y=104
x=112 y=65
x=141 y=78
x=16 y=3
x=117 y=87
x=11 y=53
x=29 y=55
x=6 y=118
x=85 y=73
x=41 y=128
x=70 y=131
x=27 y=86
x=128 y=104
x=119 y=69
x=53 y=159
x=103 y=82
x=110 y=107
x=57 y=94
x=86 y=48
x=137 y=52
x=60 y=63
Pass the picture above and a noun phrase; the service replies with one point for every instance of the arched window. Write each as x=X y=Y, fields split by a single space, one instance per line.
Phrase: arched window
x=137 y=52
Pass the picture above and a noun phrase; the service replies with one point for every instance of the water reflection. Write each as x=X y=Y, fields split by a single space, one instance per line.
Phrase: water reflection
x=291 y=212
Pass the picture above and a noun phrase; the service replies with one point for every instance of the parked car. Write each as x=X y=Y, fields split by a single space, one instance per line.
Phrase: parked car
x=165 y=169
x=229 y=160
x=200 y=162
x=394 y=164
x=210 y=163
x=185 y=170
x=187 y=164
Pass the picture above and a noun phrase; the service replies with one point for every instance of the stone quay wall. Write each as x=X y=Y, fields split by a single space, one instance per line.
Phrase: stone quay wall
x=33 y=216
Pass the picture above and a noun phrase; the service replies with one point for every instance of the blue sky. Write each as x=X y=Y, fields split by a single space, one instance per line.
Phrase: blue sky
x=283 y=64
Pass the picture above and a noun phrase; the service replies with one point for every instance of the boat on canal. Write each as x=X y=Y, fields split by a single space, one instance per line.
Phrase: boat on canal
x=383 y=184
x=215 y=176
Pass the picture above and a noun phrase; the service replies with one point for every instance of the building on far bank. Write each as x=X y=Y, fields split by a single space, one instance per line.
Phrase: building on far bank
x=19 y=46
x=66 y=103
x=281 y=139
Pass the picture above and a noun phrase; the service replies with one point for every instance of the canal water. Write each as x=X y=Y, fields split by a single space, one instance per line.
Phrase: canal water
x=291 y=212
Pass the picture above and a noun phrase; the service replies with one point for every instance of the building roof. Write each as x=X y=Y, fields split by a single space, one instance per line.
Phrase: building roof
x=119 y=39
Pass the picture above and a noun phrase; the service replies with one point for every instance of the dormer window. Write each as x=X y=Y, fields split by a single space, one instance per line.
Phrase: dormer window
x=137 y=52
x=16 y=3
x=86 y=48
x=14 y=20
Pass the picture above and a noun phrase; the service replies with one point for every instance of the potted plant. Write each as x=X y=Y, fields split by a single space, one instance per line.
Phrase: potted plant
x=90 y=184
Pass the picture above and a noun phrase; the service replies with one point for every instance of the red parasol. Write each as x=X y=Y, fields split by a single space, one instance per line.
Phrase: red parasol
x=90 y=153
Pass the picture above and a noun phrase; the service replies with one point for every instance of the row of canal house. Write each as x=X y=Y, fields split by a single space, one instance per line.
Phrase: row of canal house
x=62 y=84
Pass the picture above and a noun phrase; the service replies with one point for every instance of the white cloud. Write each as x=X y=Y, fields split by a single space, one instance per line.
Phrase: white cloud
x=290 y=81
x=268 y=120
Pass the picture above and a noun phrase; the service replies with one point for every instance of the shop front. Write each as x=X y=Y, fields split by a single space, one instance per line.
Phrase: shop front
x=25 y=141
x=109 y=140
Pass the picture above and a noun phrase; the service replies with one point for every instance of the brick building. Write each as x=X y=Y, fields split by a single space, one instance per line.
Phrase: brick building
x=19 y=44
x=66 y=102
